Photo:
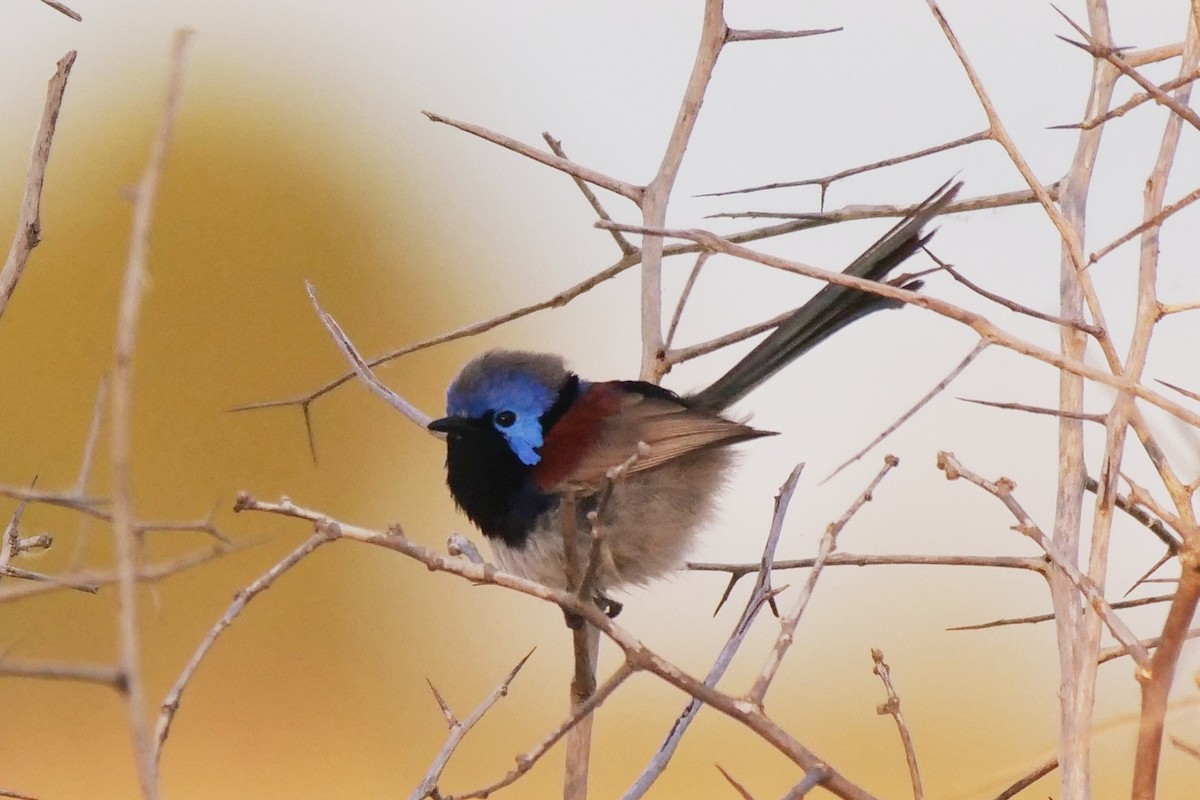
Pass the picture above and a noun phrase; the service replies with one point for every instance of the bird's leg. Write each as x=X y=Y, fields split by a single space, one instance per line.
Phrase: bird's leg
x=609 y=606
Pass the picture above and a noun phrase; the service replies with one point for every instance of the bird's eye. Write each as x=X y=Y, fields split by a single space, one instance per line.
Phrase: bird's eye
x=505 y=419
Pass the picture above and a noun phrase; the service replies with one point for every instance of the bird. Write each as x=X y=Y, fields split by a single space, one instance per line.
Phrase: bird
x=523 y=432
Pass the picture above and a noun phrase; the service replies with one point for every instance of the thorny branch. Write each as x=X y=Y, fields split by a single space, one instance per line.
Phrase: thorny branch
x=637 y=655
x=1002 y=490
x=762 y=593
x=787 y=625
x=459 y=730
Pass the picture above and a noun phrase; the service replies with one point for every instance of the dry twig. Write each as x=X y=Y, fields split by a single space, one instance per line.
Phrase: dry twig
x=128 y=313
x=892 y=707
x=170 y=705
x=458 y=730
x=638 y=656
x=29 y=226
x=761 y=594
x=787 y=625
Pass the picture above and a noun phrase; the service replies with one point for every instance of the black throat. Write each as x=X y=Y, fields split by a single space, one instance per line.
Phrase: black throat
x=491 y=485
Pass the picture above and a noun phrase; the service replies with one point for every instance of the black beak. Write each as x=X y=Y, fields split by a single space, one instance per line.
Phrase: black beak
x=451 y=425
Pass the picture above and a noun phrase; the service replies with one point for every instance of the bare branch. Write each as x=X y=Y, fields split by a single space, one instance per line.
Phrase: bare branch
x=1181 y=390
x=1038 y=772
x=526 y=760
x=1152 y=55
x=787 y=625
x=683 y=354
x=977 y=322
x=938 y=388
x=15 y=795
x=93 y=436
x=826 y=181
x=1141 y=601
x=1130 y=104
x=1002 y=491
x=63 y=583
x=1154 y=221
x=1167 y=309
x=761 y=594
x=1191 y=749
x=555 y=146
x=147 y=573
x=170 y=704
x=733 y=35
x=737 y=787
x=1028 y=409
x=855 y=212
x=128 y=313
x=62 y=9
x=558 y=300
x=1110 y=653
x=29 y=225
x=451 y=720
x=363 y=370
x=657 y=193
x=856 y=560
x=813 y=778
x=1012 y=305
x=1112 y=55
x=892 y=707
x=51 y=670
x=1156 y=685
x=626 y=190
x=638 y=656
x=683 y=298
x=458 y=730
x=1130 y=507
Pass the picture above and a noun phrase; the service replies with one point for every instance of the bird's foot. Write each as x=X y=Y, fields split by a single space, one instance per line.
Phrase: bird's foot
x=609 y=606
x=605 y=603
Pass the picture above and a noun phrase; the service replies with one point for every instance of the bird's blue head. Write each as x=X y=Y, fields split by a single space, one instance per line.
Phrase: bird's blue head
x=499 y=409
x=510 y=392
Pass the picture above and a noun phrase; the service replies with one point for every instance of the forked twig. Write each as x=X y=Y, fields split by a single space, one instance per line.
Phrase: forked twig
x=1002 y=491
x=637 y=655
x=626 y=190
x=761 y=594
x=787 y=625
x=526 y=760
x=459 y=730
x=555 y=146
x=363 y=369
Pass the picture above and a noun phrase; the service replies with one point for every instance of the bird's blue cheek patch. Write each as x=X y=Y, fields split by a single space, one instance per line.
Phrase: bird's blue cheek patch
x=524 y=437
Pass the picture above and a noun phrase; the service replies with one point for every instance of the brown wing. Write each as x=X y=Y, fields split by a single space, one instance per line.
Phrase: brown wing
x=664 y=429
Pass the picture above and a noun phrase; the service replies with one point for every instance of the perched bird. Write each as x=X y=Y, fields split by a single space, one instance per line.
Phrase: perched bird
x=522 y=431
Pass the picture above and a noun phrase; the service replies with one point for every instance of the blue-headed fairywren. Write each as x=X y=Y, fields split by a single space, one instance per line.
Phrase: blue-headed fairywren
x=522 y=430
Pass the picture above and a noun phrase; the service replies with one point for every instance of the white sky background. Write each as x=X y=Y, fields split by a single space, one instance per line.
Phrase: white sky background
x=606 y=78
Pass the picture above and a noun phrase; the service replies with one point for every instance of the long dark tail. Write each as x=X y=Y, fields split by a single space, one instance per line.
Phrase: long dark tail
x=830 y=309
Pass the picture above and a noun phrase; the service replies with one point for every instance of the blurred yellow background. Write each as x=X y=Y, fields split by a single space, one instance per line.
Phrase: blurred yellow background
x=300 y=154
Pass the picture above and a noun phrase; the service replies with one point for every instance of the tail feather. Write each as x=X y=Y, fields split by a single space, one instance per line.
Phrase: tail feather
x=830 y=309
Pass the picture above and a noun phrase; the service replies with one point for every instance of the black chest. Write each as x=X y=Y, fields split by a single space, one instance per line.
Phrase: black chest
x=492 y=487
